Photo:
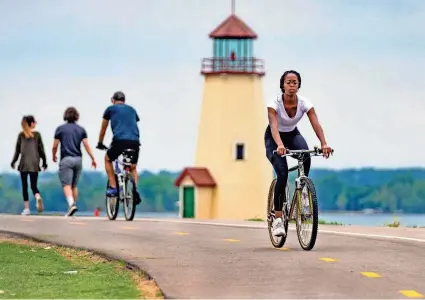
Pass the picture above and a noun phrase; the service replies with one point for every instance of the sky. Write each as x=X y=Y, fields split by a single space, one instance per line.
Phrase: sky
x=362 y=65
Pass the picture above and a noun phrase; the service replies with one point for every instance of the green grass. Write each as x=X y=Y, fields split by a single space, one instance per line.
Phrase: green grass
x=31 y=271
x=394 y=223
x=329 y=223
x=256 y=219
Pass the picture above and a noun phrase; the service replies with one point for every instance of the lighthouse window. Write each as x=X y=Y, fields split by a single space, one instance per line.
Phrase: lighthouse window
x=240 y=151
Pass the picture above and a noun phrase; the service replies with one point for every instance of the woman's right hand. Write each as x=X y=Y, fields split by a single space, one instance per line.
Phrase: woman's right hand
x=281 y=150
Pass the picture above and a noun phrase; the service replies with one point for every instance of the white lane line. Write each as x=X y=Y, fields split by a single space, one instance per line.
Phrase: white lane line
x=375 y=235
x=264 y=226
x=257 y=226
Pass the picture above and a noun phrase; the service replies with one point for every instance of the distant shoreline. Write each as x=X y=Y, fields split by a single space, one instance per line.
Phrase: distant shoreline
x=336 y=217
x=349 y=169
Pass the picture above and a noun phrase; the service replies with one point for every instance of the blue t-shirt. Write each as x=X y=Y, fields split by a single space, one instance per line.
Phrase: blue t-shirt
x=70 y=136
x=123 y=120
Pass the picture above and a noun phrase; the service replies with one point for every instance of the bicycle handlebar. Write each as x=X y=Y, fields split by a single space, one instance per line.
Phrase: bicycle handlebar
x=315 y=151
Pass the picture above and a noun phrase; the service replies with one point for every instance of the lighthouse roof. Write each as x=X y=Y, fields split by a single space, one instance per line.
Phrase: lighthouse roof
x=233 y=27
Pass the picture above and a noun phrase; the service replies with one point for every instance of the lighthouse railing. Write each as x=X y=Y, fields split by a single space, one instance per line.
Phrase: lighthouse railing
x=246 y=65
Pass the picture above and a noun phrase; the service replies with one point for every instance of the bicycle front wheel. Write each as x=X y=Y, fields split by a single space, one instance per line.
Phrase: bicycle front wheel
x=129 y=198
x=307 y=214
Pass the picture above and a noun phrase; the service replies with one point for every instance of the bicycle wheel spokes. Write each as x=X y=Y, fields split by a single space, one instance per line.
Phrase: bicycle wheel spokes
x=129 y=205
x=129 y=199
x=112 y=205
x=307 y=215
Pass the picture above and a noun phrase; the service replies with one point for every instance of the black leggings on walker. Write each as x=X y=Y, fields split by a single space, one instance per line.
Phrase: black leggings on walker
x=33 y=180
x=292 y=140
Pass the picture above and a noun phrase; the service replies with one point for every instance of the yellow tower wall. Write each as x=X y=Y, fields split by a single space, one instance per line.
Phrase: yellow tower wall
x=204 y=198
x=233 y=111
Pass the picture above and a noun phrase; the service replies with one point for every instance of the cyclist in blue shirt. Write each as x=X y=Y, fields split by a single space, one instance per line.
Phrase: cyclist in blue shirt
x=125 y=132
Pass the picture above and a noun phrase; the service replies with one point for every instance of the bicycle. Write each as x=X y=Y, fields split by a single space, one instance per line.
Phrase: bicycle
x=125 y=185
x=294 y=211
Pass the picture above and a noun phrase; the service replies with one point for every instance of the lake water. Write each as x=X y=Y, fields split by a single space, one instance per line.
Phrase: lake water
x=355 y=218
x=348 y=218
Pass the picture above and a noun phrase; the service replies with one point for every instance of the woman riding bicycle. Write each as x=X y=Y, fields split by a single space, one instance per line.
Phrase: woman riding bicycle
x=284 y=113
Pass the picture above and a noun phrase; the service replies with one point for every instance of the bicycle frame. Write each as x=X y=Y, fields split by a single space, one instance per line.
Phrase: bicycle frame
x=296 y=197
x=121 y=173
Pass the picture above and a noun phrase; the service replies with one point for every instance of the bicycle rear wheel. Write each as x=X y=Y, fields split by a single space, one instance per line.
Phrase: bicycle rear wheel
x=277 y=241
x=129 y=198
x=112 y=204
x=307 y=214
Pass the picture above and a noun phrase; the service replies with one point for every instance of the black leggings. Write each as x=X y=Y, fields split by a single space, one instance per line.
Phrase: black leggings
x=33 y=180
x=292 y=140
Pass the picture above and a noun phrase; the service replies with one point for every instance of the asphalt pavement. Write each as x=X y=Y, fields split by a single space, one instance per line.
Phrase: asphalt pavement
x=216 y=259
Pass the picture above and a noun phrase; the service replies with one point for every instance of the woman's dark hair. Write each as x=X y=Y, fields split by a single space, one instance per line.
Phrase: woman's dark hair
x=71 y=115
x=26 y=123
x=282 y=79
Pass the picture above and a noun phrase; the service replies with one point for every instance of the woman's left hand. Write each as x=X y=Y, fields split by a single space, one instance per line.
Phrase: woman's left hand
x=326 y=150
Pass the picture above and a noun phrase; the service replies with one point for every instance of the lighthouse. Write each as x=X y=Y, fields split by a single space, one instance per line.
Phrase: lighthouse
x=231 y=175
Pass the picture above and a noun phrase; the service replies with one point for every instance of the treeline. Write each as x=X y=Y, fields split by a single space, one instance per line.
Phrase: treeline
x=387 y=191
x=158 y=192
x=345 y=190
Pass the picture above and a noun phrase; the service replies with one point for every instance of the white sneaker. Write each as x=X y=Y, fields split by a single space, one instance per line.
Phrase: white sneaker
x=39 y=204
x=26 y=212
x=278 y=228
x=71 y=210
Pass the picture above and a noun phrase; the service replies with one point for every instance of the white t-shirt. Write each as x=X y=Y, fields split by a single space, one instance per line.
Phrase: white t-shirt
x=285 y=123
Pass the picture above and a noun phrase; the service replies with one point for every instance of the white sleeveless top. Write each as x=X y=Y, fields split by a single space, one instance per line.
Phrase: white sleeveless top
x=285 y=123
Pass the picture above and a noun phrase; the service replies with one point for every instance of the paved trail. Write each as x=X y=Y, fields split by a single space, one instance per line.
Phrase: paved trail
x=209 y=261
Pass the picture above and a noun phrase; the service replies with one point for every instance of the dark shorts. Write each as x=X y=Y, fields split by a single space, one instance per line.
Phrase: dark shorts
x=118 y=147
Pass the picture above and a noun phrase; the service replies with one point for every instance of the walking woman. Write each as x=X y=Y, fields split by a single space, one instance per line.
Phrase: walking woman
x=70 y=135
x=30 y=146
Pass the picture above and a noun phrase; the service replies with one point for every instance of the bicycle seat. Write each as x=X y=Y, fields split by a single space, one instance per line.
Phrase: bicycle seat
x=128 y=152
x=128 y=155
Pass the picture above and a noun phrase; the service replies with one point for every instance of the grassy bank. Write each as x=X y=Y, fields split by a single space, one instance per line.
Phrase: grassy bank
x=37 y=270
